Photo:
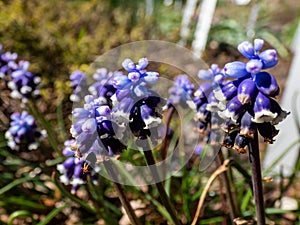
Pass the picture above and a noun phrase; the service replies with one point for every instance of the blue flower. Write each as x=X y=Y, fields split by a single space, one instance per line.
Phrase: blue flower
x=134 y=104
x=208 y=120
x=249 y=100
x=23 y=132
x=94 y=130
x=78 y=83
x=181 y=92
x=7 y=62
x=75 y=170
x=24 y=84
x=257 y=61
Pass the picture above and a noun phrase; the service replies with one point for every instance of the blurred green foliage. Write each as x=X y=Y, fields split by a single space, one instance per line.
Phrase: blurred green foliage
x=57 y=36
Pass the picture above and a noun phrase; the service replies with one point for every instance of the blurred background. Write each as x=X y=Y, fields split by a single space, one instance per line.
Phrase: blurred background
x=58 y=37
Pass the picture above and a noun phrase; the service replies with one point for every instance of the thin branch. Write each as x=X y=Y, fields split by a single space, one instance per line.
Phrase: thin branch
x=220 y=170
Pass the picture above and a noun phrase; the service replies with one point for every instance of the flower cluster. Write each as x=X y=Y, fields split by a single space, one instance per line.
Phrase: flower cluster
x=24 y=84
x=134 y=103
x=181 y=92
x=75 y=170
x=78 y=83
x=118 y=102
x=23 y=131
x=208 y=106
x=249 y=98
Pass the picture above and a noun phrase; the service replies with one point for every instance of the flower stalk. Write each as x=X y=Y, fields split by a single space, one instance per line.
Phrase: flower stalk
x=161 y=190
x=257 y=180
x=121 y=194
x=233 y=210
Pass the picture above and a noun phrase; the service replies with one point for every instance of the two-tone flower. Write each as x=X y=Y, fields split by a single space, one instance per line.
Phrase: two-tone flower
x=134 y=103
x=250 y=97
x=75 y=170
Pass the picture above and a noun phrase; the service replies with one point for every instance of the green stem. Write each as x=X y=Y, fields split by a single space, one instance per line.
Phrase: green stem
x=257 y=180
x=46 y=125
x=122 y=196
x=161 y=190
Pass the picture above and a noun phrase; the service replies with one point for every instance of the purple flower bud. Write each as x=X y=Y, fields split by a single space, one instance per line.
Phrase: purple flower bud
x=240 y=144
x=80 y=113
x=106 y=127
x=103 y=110
x=234 y=110
x=258 y=44
x=203 y=114
x=76 y=77
x=228 y=91
x=267 y=84
x=246 y=49
x=235 y=69
x=248 y=128
x=140 y=91
x=213 y=103
x=129 y=65
x=134 y=76
x=199 y=101
x=246 y=91
x=268 y=58
x=89 y=126
x=203 y=90
x=120 y=81
x=151 y=77
x=262 y=109
x=229 y=139
x=254 y=66
x=69 y=163
x=267 y=131
x=281 y=114
x=181 y=91
x=198 y=149
x=205 y=74
x=143 y=63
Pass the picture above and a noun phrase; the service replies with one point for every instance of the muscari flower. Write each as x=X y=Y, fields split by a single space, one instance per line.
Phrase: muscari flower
x=208 y=120
x=250 y=99
x=7 y=62
x=23 y=132
x=75 y=170
x=134 y=103
x=94 y=130
x=79 y=84
x=24 y=84
x=181 y=92
x=206 y=101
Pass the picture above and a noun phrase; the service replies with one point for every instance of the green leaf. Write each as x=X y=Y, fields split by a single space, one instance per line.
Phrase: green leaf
x=16 y=214
x=73 y=198
x=52 y=214
x=212 y=220
x=278 y=211
x=14 y=183
x=21 y=201
x=246 y=199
